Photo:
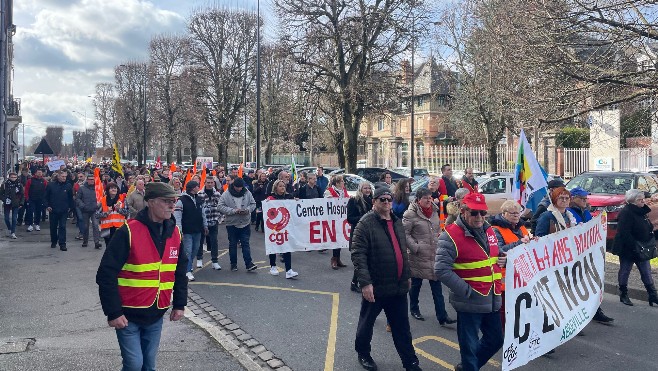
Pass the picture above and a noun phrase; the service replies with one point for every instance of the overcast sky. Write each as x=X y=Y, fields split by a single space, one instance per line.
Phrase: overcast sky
x=62 y=48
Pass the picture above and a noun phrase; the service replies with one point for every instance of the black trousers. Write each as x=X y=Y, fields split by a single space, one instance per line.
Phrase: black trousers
x=58 y=228
x=395 y=308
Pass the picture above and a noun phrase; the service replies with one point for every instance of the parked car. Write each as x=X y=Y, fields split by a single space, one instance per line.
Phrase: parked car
x=607 y=189
x=418 y=172
x=352 y=182
x=372 y=174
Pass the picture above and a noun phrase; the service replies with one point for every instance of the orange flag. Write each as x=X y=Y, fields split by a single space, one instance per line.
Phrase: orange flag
x=98 y=187
x=240 y=170
x=203 y=176
x=172 y=170
x=188 y=177
x=214 y=173
x=194 y=168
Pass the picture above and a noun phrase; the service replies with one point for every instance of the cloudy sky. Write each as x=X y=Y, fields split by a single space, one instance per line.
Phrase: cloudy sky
x=62 y=48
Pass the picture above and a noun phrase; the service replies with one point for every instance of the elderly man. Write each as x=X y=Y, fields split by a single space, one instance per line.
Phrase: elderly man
x=379 y=254
x=141 y=275
x=475 y=293
x=135 y=200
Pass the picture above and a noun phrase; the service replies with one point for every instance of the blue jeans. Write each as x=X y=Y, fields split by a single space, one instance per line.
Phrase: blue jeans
x=78 y=219
x=236 y=234
x=625 y=267
x=139 y=345
x=211 y=241
x=191 y=243
x=11 y=225
x=437 y=295
x=475 y=352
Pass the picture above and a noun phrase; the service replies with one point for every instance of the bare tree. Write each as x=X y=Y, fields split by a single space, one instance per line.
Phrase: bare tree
x=169 y=55
x=223 y=47
x=104 y=112
x=54 y=137
x=131 y=86
x=344 y=44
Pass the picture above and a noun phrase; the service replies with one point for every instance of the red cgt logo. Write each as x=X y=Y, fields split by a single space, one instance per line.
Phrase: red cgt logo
x=278 y=218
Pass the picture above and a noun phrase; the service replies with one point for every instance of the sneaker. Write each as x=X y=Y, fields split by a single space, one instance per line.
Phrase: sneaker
x=190 y=276
x=30 y=228
x=216 y=266
x=13 y=235
x=79 y=236
x=37 y=227
x=274 y=271
x=234 y=268
x=251 y=267
x=291 y=274
x=199 y=263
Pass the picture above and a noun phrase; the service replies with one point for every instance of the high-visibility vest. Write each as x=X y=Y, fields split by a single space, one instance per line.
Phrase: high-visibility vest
x=114 y=219
x=146 y=278
x=509 y=237
x=442 y=216
x=479 y=269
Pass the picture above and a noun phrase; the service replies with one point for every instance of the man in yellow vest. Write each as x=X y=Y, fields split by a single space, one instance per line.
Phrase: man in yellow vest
x=468 y=262
x=141 y=275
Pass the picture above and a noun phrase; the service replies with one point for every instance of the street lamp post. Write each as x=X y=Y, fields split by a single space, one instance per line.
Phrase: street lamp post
x=145 y=117
x=413 y=91
x=258 y=161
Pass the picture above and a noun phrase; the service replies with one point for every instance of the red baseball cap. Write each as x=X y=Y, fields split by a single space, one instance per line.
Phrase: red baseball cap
x=475 y=201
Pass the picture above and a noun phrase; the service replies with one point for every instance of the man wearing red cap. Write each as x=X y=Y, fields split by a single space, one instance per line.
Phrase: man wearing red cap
x=468 y=262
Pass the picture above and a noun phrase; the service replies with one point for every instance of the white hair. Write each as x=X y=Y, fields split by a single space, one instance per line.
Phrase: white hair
x=632 y=195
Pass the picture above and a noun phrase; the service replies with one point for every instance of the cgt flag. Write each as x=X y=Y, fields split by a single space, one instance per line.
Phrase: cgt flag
x=528 y=177
x=116 y=161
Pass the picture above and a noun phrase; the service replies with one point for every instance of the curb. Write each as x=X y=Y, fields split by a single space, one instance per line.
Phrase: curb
x=251 y=354
x=633 y=293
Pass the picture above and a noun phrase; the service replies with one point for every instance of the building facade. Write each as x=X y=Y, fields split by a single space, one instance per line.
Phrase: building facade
x=10 y=114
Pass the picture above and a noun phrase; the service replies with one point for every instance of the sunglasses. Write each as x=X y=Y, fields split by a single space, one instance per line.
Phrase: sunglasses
x=478 y=212
x=384 y=199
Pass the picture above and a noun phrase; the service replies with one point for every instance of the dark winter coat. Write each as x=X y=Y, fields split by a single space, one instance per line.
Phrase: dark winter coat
x=115 y=257
x=85 y=199
x=355 y=211
x=373 y=256
x=14 y=191
x=59 y=196
x=632 y=226
x=305 y=193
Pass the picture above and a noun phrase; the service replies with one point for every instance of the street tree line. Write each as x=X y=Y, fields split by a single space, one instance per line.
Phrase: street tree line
x=517 y=64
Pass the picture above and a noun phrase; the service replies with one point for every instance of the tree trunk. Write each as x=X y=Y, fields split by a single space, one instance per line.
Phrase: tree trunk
x=170 y=149
x=140 y=156
x=492 y=152
x=268 y=153
x=193 y=147
x=179 y=153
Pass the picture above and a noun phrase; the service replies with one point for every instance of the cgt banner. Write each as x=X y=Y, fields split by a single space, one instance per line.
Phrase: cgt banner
x=305 y=225
x=553 y=288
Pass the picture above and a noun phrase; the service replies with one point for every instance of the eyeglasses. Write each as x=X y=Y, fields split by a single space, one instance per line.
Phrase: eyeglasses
x=478 y=212
x=513 y=214
x=384 y=199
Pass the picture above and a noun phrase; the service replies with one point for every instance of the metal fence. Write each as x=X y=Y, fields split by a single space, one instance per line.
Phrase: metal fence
x=460 y=157
x=576 y=160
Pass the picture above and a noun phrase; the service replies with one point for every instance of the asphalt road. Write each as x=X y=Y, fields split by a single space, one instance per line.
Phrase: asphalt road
x=310 y=322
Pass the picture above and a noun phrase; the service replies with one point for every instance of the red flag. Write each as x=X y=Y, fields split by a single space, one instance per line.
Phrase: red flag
x=240 y=171
x=172 y=170
x=214 y=173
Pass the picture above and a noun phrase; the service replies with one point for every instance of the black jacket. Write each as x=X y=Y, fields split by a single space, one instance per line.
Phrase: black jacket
x=632 y=226
x=13 y=191
x=259 y=192
x=59 y=196
x=355 y=211
x=303 y=193
x=115 y=257
x=374 y=257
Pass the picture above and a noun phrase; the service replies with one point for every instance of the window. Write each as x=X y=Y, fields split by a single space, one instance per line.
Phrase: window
x=380 y=124
x=420 y=101
x=496 y=185
x=441 y=100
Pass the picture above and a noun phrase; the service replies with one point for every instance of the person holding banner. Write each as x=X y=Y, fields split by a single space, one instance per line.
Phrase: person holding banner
x=422 y=227
x=279 y=193
x=468 y=262
x=379 y=254
x=336 y=189
x=634 y=228
x=556 y=217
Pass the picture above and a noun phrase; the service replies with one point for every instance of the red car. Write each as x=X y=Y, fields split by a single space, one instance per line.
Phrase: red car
x=607 y=190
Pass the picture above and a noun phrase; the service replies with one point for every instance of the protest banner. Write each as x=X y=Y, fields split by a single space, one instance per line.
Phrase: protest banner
x=553 y=288
x=200 y=161
x=305 y=225
x=54 y=165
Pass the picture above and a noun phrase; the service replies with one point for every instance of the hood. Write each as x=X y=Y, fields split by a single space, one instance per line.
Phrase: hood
x=605 y=200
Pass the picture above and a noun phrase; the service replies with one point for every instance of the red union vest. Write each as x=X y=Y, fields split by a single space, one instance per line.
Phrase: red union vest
x=473 y=265
x=114 y=219
x=335 y=193
x=146 y=278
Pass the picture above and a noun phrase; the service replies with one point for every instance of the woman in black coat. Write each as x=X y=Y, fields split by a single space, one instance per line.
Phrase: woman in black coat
x=259 y=195
x=634 y=226
x=357 y=207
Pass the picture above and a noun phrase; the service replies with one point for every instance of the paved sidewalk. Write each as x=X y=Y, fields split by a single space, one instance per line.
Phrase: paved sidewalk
x=49 y=304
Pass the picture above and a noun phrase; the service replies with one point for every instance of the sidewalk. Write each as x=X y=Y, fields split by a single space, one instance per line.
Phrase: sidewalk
x=50 y=308
x=636 y=288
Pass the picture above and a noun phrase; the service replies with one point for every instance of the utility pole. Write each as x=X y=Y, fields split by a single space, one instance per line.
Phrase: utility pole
x=258 y=161
x=413 y=91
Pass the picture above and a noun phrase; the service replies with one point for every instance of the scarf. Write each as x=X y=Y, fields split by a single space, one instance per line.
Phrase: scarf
x=427 y=211
x=235 y=193
x=561 y=223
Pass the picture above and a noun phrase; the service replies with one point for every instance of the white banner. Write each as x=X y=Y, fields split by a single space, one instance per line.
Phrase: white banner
x=304 y=225
x=553 y=288
x=203 y=160
x=54 y=165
